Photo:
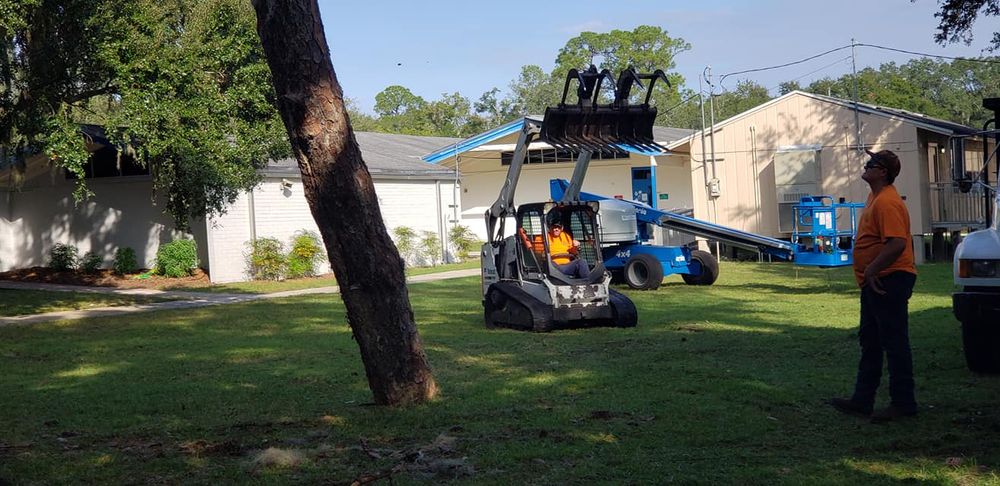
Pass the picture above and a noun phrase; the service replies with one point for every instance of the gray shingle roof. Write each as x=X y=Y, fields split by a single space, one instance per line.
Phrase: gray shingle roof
x=907 y=115
x=666 y=135
x=387 y=155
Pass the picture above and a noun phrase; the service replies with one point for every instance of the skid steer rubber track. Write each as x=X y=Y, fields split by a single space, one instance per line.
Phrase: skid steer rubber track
x=507 y=305
x=624 y=311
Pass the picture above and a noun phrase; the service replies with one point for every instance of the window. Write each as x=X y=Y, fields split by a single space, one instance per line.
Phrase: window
x=549 y=156
x=796 y=175
x=106 y=163
x=531 y=224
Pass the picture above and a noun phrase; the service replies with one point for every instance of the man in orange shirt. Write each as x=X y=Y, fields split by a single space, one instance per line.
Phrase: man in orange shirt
x=884 y=269
x=563 y=251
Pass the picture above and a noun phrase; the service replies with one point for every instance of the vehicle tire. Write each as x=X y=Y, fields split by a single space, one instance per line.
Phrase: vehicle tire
x=643 y=272
x=623 y=309
x=981 y=341
x=709 y=269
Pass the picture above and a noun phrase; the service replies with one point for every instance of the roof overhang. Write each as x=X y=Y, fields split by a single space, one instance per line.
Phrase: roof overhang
x=474 y=141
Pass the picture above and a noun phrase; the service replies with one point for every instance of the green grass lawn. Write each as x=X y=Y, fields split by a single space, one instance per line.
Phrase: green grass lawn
x=21 y=302
x=265 y=287
x=717 y=385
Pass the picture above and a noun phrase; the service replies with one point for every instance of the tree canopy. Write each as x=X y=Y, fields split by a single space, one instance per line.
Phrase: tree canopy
x=183 y=82
x=646 y=48
x=950 y=90
x=956 y=18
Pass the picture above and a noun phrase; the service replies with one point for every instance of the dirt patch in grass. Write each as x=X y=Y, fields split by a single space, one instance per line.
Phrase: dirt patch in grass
x=104 y=278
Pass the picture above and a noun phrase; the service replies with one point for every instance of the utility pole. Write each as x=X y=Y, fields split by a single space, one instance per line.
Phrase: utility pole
x=704 y=152
x=711 y=112
x=857 y=118
x=714 y=190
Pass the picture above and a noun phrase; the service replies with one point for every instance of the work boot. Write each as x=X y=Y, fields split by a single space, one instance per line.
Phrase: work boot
x=850 y=407
x=891 y=413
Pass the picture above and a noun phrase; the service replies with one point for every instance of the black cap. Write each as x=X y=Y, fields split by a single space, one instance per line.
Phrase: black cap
x=887 y=159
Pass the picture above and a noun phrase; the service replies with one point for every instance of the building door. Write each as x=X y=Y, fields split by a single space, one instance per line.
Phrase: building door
x=642 y=185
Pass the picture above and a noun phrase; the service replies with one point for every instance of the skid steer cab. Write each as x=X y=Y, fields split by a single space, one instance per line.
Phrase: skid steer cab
x=528 y=284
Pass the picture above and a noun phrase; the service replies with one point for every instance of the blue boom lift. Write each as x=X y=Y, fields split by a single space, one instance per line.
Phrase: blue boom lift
x=625 y=232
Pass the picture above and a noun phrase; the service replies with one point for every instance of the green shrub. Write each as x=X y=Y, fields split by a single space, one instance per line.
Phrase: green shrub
x=266 y=259
x=90 y=262
x=124 y=262
x=405 y=237
x=463 y=241
x=430 y=247
x=177 y=259
x=63 y=257
x=305 y=253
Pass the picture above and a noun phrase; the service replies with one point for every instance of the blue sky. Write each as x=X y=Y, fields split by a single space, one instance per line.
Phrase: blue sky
x=434 y=47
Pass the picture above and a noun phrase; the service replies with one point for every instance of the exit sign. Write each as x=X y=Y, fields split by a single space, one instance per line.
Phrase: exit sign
x=664 y=197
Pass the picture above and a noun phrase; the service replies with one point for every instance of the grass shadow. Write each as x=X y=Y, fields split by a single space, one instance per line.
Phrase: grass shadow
x=716 y=384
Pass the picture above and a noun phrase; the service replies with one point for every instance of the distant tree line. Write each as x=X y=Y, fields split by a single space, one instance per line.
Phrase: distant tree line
x=187 y=80
x=950 y=90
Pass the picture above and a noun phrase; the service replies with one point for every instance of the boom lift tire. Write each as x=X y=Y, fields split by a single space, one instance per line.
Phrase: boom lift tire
x=709 y=269
x=980 y=340
x=643 y=272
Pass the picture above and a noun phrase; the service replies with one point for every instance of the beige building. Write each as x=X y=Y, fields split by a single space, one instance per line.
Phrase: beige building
x=765 y=159
x=802 y=143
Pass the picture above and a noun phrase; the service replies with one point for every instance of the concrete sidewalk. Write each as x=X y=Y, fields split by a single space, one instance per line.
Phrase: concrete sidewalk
x=184 y=299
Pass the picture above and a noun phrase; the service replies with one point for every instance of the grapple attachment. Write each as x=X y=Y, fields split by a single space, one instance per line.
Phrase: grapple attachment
x=590 y=125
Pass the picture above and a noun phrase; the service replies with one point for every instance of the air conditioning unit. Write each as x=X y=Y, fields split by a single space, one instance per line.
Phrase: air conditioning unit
x=796 y=174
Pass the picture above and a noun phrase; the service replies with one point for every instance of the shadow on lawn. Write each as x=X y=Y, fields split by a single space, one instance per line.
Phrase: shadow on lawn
x=708 y=388
x=20 y=302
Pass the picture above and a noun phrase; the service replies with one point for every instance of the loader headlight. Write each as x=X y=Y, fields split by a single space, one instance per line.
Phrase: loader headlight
x=978 y=268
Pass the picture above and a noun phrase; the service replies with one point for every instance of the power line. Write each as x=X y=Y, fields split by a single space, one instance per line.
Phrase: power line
x=685 y=100
x=724 y=76
x=834 y=63
x=969 y=59
x=874 y=46
x=695 y=95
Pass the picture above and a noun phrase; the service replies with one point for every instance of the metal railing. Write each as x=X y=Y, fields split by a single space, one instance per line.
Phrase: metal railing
x=951 y=207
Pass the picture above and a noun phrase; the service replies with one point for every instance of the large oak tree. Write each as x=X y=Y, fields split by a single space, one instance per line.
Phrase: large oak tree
x=957 y=18
x=343 y=201
x=185 y=79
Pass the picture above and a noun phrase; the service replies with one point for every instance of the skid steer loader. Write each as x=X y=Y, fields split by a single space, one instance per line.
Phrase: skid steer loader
x=522 y=286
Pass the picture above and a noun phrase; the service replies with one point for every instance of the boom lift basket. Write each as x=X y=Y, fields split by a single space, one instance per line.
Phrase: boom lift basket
x=590 y=125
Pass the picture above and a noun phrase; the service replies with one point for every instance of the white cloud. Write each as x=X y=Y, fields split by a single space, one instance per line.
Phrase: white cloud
x=590 y=25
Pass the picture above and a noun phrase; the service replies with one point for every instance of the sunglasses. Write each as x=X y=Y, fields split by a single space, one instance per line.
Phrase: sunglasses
x=871 y=164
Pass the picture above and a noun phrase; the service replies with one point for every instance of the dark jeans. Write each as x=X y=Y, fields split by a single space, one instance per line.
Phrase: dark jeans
x=576 y=268
x=885 y=329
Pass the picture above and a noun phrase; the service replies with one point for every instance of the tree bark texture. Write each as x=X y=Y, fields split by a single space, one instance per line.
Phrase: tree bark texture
x=342 y=199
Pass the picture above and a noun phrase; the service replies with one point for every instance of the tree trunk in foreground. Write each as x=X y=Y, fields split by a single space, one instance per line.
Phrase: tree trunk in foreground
x=343 y=201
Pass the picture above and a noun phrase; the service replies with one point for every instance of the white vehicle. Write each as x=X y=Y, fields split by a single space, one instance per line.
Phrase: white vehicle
x=977 y=272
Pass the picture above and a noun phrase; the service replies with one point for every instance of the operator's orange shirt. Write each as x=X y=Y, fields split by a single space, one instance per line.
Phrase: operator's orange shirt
x=885 y=216
x=560 y=244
